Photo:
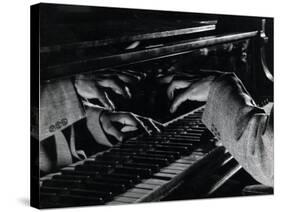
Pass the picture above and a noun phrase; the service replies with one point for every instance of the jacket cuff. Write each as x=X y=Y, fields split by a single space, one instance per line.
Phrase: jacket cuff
x=227 y=101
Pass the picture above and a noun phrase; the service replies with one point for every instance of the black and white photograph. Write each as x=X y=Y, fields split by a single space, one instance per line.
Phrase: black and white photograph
x=133 y=105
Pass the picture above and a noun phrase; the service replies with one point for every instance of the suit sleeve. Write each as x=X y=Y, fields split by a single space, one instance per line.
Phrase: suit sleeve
x=242 y=127
x=59 y=107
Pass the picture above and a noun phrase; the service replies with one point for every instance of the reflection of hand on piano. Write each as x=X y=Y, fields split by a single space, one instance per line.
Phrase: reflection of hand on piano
x=96 y=86
x=186 y=86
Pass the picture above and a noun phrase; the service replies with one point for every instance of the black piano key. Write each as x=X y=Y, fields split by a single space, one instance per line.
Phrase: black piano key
x=133 y=150
x=128 y=183
x=139 y=147
x=151 y=141
x=75 y=200
x=101 y=163
x=195 y=130
x=117 y=150
x=134 y=177
x=46 y=189
x=154 y=160
x=95 y=167
x=87 y=173
x=49 y=200
x=183 y=138
x=71 y=177
x=143 y=172
x=111 y=156
x=112 y=187
x=175 y=154
x=179 y=144
x=62 y=183
x=106 y=195
x=153 y=167
x=157 y=156
x=165 y=138
x=81 y=190
x=182 y=150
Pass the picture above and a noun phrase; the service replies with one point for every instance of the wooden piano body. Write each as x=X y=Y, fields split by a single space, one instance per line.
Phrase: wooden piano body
x=78 y=39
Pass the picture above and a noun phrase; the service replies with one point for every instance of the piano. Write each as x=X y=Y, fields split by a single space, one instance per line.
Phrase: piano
x=180 y=162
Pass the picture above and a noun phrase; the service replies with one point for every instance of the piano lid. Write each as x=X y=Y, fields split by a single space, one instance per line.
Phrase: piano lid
x=84 y=27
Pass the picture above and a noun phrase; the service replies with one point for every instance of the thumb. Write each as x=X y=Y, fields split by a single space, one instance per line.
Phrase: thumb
x=111 y=130
x=179 y=99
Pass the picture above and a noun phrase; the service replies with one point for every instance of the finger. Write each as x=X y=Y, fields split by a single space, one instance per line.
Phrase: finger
x=111 y=130
x=165 y=79
x=116 y=85
x=133 y=45
x=86 y=88
x=104 y=99
x=218 y=143
x=129 y=119
x=127 y=77
x=130 y=73
x=174 y=76
x=124 y=118
x=180 y=98
x=140 y=75
x=152 y=126
x=176 y=84
x=142 y=126
x=122 y=75
x=129 y=129
x=155 y=127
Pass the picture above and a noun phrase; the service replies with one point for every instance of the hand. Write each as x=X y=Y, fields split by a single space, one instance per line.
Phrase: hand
x=122 y=125
x=93 y=86
x=193 y=87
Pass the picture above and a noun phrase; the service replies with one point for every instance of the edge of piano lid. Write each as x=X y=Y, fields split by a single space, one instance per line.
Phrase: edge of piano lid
x=142 y=54
x=128 y=36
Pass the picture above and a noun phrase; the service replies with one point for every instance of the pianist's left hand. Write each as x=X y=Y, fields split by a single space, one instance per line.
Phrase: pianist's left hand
x=122 y=125
x=109 y=127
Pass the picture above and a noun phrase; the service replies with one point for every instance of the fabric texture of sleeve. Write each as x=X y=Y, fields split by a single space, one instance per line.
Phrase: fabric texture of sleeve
x=60 y=107
x=242 y=127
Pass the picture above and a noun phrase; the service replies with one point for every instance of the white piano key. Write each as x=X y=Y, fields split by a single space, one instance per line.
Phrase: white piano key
x=164 y=175
x=125 y=199
x=174 y=167
x=147 y=186
x=182 y=161
x=171 y=171
x=115 y=203
x=155 y=181
x=133 y=194
x=139 y=190
x=180 y=165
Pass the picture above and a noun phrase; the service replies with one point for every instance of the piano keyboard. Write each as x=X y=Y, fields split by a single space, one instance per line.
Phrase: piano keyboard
x=138 y=170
